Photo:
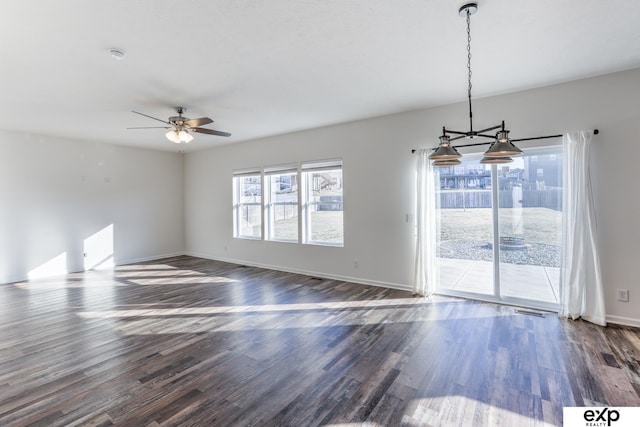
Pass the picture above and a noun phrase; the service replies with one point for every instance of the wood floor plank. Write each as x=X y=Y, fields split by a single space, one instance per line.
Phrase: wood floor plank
x=186 y=341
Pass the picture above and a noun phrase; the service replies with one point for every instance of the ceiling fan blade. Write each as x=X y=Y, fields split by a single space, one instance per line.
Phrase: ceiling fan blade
x=210 y=132
x=198 y=122
x=154 y=118
x=150 y=127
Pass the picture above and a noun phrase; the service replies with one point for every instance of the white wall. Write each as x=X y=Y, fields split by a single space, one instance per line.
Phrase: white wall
x=56 y=194
x=367 y=149
x=379 y=182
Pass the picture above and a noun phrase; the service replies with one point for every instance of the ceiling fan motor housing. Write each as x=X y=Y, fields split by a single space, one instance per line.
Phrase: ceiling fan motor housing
x=178 y=120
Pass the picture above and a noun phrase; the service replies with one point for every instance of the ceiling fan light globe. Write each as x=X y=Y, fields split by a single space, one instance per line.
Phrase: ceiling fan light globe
x=172 y=136
x=184 y=136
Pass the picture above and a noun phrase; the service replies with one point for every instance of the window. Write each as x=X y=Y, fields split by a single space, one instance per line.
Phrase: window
x=297 y=204
x=247 y=205
x=281 y=204
x=323 y=205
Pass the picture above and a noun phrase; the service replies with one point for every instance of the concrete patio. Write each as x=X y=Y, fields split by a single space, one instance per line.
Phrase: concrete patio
x=532 y=282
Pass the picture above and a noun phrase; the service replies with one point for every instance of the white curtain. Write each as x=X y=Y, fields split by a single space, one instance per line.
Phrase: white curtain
x=581 y=289
x=425 y=226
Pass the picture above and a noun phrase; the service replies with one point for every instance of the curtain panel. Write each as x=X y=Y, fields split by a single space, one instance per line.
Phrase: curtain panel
x=581 y=288
x=425 y=226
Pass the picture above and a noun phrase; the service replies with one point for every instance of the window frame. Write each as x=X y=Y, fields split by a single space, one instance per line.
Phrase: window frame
x=238 y=204
x=304 y=201
x=306 y=169
x=269 y=205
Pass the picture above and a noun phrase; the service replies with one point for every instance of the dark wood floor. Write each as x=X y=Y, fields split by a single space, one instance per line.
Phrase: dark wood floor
x=187 y=341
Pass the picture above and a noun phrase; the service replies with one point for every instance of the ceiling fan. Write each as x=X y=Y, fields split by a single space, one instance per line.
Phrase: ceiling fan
x=180 y=126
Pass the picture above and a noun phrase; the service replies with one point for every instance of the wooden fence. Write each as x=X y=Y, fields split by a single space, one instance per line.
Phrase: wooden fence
x=469 y=199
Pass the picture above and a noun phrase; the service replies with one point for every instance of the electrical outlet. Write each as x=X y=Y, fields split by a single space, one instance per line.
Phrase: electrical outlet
x=355 y=263
x=623 y=295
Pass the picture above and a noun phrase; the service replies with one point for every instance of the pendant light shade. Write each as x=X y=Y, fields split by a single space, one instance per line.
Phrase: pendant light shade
x=503 y=149
x=445 y=150
x=450 y=162
x=495 y=160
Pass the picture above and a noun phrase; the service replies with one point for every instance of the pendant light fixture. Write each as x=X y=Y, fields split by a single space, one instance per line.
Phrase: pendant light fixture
x=502 y=148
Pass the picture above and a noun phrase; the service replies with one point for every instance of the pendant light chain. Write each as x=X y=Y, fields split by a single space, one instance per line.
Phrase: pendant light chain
x=469 y=67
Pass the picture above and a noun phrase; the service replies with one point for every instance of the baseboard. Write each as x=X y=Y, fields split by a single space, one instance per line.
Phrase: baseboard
x=150 y=258
x=322 y=275
x=625 y=321
x=9 y=280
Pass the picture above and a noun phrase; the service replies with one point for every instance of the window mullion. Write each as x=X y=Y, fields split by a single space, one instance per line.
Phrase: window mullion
x=496 y=230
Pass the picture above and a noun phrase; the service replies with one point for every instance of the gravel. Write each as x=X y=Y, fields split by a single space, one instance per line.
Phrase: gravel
x=532 y=254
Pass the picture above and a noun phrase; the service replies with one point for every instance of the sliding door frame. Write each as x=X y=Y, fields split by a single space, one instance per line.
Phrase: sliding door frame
x=497 y=296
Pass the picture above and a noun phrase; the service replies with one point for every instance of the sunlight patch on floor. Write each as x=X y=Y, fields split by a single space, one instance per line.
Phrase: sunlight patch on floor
x=140 y=267
x=353 y=425
x=65 y=283
x=195 y=320
x=184 y=280
x=253 y=308
x=460 y=410
x=155 y=273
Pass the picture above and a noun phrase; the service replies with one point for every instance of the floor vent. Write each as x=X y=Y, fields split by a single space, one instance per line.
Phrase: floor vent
x=530 y=313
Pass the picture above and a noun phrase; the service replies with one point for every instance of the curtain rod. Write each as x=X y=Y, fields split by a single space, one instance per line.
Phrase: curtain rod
x=595 y=132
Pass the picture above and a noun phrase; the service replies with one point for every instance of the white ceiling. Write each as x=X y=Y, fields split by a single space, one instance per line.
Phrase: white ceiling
x=268 y=67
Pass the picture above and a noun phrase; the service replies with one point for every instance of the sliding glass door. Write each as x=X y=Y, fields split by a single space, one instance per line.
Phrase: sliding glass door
x=530 y=217
x=499 y=228
x=465 y=228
